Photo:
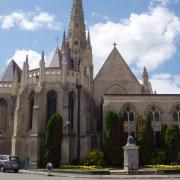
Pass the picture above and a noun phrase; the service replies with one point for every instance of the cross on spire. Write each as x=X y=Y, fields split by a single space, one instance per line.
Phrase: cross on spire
x=114 y=44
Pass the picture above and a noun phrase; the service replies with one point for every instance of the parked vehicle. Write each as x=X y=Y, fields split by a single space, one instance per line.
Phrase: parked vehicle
x=8 y=162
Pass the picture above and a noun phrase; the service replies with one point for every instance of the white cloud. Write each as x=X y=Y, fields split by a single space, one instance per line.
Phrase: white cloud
x=29 y=21
x=147 y=39
x=166 y=83
x=33 y=56
x=20 y=57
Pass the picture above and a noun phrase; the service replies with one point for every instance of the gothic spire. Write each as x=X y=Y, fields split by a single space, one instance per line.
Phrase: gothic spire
x=77 y=34
x=145 y=73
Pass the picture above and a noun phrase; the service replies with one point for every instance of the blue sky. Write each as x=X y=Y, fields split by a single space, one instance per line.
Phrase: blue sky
x=147 y=33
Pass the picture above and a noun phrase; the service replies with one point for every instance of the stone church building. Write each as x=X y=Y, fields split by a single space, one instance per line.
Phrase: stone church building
x=29 y=97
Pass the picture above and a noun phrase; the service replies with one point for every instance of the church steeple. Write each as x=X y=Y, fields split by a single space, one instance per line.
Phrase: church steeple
x=77 y=32
x=146 y=85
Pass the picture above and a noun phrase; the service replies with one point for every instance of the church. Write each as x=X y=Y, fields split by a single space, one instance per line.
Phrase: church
x=29 y=97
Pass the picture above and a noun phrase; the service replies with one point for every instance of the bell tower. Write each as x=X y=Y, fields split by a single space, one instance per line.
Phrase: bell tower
x=77 y=31
x=77 y=44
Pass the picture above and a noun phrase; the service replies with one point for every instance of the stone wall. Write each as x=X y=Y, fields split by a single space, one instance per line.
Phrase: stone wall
x=141 y=104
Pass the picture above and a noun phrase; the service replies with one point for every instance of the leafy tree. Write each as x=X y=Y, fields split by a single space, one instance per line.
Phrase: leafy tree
x=113 y=139
x=145 y=139
x=53 y=138
x=172 y=142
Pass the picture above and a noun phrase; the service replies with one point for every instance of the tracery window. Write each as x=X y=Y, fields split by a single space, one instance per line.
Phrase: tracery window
x=51 y=103
x=154 y=114
x=129 y=114
x=3 y=114
x=176 y=113
x=71 y=109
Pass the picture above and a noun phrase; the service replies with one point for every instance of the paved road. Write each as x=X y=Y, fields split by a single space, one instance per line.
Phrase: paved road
x=24 y=176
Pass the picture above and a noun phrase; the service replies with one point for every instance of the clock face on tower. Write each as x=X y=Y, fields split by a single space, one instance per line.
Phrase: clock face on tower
x=76 y=43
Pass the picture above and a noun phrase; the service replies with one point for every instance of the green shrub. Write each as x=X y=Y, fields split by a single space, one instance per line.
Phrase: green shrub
x=178 y=158
x=159 y=158
x=94 y=158
x=53 y=138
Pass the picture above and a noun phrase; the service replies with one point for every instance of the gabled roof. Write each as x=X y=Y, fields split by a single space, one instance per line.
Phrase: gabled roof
x=11 y=72
x=57 y=59
x=115 y=77
x=115 y=65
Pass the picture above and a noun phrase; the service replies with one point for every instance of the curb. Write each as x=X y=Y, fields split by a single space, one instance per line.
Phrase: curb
x=86 y=176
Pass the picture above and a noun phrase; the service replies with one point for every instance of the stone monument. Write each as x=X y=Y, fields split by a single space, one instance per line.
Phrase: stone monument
x=131 y=157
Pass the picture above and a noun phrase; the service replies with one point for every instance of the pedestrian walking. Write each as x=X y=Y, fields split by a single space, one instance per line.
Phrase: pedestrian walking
x=49 y=167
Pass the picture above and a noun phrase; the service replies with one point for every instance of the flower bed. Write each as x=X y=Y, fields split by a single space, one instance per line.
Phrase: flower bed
x=163 y=166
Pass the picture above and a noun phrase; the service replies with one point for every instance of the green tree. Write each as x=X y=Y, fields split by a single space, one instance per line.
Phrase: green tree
x=113 y=139
x=172 y=143
x=145 y=139
x=53 y=138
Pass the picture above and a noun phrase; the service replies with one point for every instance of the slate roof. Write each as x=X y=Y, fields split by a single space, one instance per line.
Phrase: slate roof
x=11 y=72
x=57 y=59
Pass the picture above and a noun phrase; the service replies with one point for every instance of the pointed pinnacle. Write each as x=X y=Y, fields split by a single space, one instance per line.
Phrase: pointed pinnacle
x=27 y=58
x=89 y=37
x=145 y=73
x=64 y=37
x=42 y=56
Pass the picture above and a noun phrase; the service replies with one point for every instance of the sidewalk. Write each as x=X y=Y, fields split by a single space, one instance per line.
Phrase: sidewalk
x=74 y=175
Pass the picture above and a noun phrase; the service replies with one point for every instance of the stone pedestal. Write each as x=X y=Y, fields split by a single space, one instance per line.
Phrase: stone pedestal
x=131 y=157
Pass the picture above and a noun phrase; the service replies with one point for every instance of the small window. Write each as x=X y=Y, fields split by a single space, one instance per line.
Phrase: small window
x=176 y=114
x=129 y=114
x=154 y=114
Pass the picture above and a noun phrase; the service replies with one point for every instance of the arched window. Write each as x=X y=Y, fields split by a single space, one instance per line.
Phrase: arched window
x=3 y=114
x=129 y=114
x=176 y=113
x=51 y=103
x=154 y=114
x=71 y=109
x=31 y=105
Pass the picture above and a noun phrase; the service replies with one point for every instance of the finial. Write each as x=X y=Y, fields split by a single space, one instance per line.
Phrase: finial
x=27 y=57
x=114 y=44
